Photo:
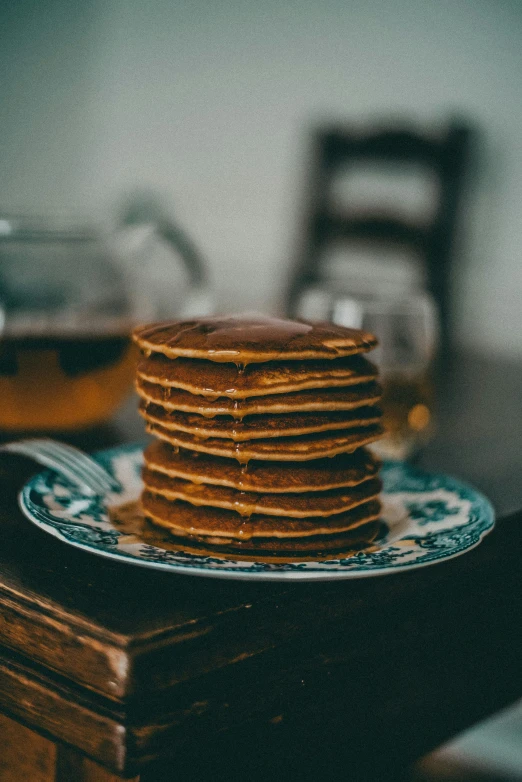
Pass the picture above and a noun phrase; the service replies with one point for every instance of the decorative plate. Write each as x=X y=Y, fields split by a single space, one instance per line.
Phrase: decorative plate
x=427 y=518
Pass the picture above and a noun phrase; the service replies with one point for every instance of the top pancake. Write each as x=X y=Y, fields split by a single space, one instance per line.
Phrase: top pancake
x=247 y=340
x=211 y=380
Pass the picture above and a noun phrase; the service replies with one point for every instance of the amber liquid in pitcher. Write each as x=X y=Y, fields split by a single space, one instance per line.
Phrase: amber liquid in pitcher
x=63 y=382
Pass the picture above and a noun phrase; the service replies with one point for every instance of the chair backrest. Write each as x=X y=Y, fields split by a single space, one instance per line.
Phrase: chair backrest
x=335 y=151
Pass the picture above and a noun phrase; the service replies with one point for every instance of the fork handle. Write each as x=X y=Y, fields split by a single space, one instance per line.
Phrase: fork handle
x=46 y=461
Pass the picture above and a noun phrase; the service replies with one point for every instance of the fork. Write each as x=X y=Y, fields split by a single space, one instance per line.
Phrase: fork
x=73 y=464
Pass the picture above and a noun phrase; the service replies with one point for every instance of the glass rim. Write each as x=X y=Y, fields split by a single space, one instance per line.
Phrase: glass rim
x=389 y=304
x=52 y=227
x=390 y=295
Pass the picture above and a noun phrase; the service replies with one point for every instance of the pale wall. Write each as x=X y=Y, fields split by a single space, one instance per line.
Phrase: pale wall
x=207 y=102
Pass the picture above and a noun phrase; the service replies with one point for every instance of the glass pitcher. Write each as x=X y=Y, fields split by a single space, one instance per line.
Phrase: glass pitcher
x=70 y=295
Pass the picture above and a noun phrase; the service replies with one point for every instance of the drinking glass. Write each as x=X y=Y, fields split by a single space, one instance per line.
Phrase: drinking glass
x=406 y=326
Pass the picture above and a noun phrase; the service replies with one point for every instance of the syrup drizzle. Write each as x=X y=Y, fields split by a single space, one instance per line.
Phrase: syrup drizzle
x=242 y=472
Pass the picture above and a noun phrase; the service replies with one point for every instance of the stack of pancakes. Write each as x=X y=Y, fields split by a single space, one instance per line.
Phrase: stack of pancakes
x=261 y=426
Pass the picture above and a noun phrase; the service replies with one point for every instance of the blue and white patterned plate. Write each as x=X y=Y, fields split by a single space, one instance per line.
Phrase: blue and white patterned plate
x=428 y=518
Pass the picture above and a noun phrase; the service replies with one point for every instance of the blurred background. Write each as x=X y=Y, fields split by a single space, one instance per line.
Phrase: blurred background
x=211 y=106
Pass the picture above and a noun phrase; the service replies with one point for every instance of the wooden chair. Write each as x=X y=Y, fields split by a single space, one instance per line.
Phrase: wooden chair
x=338 y=149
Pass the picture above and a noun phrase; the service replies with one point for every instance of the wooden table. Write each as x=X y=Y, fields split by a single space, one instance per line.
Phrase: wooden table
x=111 y=671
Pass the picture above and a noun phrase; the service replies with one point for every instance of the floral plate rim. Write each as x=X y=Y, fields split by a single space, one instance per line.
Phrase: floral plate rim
x=431 y=517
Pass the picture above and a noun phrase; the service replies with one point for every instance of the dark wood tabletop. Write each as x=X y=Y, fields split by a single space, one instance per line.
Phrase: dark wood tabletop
x=109 y=670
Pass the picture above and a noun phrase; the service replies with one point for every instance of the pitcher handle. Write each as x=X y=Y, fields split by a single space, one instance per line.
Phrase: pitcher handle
x=180 y=241
x=147 y=209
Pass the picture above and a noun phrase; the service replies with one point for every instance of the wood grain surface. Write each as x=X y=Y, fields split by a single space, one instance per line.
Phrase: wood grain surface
x=27 y=756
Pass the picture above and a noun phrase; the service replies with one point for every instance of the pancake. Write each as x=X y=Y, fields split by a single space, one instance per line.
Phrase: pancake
x=247 y=340
x=297 y=449
x=343 y=545
x=182 y=518
x=301 y=401
x=298 y=506
x=212 y=380
x=259 y=426
x=319 y=475
x=131 y=521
